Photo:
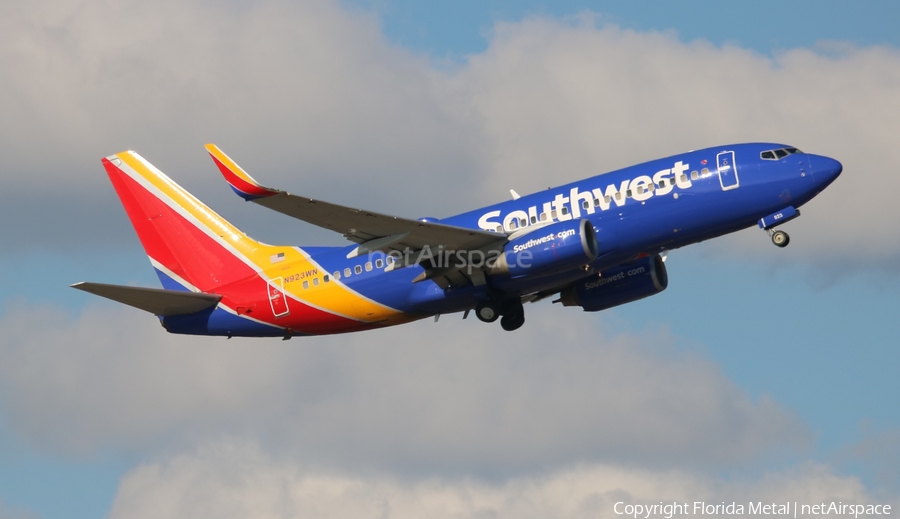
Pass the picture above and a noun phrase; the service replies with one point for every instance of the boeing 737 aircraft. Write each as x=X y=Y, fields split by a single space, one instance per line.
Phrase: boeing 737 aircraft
x=596 y=244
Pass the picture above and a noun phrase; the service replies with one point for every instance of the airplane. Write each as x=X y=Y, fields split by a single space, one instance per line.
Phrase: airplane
x=595 y=244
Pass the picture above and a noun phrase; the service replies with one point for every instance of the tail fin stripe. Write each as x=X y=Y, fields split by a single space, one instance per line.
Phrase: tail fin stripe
x=198 y=248
x=170 y=279
x=239 y=180
x=192 y=246
x=182 y=202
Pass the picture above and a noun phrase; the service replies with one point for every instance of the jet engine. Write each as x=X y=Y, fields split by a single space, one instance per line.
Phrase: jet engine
x=548 y=248
x=619 y=285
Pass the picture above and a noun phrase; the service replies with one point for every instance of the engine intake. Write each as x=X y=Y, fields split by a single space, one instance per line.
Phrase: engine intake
x=619 y=285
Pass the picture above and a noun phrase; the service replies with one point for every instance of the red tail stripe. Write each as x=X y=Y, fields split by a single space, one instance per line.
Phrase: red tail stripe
x=186 y=250
x=239 y=183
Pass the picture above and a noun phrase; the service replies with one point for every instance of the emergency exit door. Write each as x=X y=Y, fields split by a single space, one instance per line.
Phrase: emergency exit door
x=728 y=175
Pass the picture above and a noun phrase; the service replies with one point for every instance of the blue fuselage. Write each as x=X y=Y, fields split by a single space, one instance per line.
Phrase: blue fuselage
x=643 y=209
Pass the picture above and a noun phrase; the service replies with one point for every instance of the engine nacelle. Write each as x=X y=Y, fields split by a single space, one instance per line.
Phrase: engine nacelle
x=618 y=285
x=549 y=248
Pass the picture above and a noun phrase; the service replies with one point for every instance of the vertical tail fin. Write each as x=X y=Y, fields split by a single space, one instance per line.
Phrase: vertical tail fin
x=190 y=246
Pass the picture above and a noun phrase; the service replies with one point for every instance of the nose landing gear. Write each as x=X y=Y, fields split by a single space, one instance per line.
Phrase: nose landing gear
x=780 y=238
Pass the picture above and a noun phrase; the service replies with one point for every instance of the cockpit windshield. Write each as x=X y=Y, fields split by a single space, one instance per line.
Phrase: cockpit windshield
x=778 y=154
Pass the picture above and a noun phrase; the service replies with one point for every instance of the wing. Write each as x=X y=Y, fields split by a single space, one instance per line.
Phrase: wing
x=373 y=231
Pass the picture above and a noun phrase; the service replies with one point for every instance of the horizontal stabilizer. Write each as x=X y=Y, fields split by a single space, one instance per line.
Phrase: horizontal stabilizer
x=154 y=300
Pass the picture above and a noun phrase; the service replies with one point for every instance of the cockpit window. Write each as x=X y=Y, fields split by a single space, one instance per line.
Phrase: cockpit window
x=778 y=154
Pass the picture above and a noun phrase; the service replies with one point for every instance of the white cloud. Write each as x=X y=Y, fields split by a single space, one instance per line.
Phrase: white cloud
x=312 y=98
x=879 y=452
x=562 y=100
x=454 y=397
x=294 y=85
x=234 y=479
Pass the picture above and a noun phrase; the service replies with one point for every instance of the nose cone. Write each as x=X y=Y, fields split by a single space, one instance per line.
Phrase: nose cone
x=824 y=169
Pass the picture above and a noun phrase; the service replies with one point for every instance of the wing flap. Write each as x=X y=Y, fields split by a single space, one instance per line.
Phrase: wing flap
x=154 y=300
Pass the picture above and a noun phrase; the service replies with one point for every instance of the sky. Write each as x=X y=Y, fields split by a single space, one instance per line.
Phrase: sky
x=760 y=374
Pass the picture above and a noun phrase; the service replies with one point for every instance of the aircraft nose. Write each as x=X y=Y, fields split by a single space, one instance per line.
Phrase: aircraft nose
x=824 y=169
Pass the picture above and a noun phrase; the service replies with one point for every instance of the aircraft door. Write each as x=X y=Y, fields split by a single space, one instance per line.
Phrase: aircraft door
x=728 y=174
x=277 y=299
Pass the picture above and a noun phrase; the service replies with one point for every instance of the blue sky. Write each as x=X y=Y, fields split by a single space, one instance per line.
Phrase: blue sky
x=457 y=29
x=811 y=328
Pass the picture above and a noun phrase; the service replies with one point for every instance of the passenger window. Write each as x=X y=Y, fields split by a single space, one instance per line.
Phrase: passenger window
x=640 y=190
x=683 y=177
x=337 y=274
x=650 y=187
x=596 y=202
x=523 y=223
x=306 y=284
x=379 y=263
x=585 y=204
x=628 y=194
x=704 y=171
x=662 y=184
x=368 y=266
x=694 y=175
x=358 y=269
x=543 y=217
x=607 y=199
x=565 y=210
x=780 y=154
x=618 y=195
x=553 y=214
x=513 y=224
x=347 y=272
x=325 y=278
x=315 y=282
x=533 y=220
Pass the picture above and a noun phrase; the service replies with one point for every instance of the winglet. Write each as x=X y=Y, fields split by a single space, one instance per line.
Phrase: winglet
x=242 y=183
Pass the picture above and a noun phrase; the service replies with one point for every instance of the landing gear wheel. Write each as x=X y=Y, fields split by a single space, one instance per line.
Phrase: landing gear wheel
x=780 y=239
x=513 y=316
x=487 y=312
x=512 y=322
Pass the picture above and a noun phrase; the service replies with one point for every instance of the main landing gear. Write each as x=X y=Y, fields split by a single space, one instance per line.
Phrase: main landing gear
x=513 y=315
x=780 y=238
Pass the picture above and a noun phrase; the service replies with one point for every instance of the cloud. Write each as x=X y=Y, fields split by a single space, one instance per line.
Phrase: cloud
x=308 y=96
x=563 y=100
x=234 y=479
x=314 y=99
x=878 y=454
x=451 y=398
x=8 y=512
